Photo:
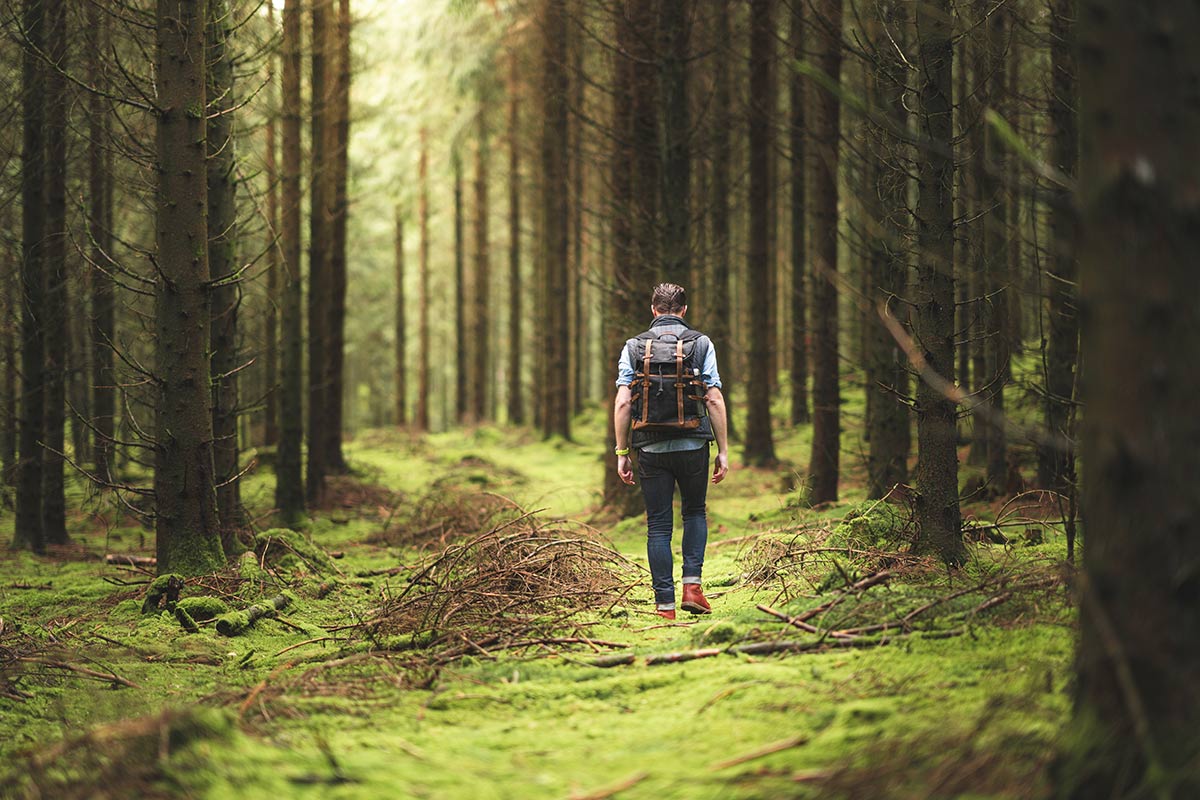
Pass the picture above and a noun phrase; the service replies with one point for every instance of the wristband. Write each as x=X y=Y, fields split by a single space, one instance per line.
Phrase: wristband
x=622 y=451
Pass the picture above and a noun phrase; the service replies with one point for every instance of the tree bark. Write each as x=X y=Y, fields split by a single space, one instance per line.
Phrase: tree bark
x=557 y=421
x=289 y=481
x=184 y=483
x=759 y=447
x=823 y=465
x=720 y=322
x=645 y=134
x=480 y=316
x=888 y=424
x=54 y=313
x=28 y=528
x=223 y=264
x=270 y=317
x=320 y=280
x=401 y=416
x=10 y=325
x=798 y=346
x=462 y=360
x=422 y=415
x=1056 y=458
x=937 y=511
x=996 y=231
x=339 y=205
x=1138 y=662
x=516 y=395
x=674 y=33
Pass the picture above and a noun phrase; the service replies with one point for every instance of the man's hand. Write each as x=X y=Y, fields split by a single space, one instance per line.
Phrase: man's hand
x=720 y=467
x=625 y=469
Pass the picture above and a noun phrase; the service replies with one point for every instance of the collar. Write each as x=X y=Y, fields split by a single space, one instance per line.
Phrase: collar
x=667 y=319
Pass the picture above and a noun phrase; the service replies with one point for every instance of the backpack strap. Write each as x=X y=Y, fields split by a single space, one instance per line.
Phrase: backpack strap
x=679 y=383
x=646 y=380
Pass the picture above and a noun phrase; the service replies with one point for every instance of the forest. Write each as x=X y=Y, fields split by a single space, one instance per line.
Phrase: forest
x=312 y=435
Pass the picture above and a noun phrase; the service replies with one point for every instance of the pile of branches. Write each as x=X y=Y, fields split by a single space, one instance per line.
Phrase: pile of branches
x=855 y=616
x=441 y=515
x=525 y=583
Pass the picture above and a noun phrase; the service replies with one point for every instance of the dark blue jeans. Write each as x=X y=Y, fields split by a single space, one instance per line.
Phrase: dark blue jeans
x=659 y=474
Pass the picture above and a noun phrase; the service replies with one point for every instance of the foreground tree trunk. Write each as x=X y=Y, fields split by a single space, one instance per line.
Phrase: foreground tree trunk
x=270 y=316
x=1056 y=459
x=289 y=481
x=222 y=263
x=184 y=485
x=720 y=302
x=28 y=531
x=760 y=449
x=937 y=511
x=320 y=280
x=422 y=415
x=798 y=365
x=339 y=215
x=824 y=463
x=674 y=31
x=54 y=312
x=1138 y=660
x=888 y=424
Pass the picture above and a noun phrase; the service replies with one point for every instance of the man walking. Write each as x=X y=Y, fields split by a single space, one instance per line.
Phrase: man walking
x=669 y=407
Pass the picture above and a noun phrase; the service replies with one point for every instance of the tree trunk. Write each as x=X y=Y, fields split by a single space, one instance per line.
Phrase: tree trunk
x=888 y=425
x=621 y=317
x=1056 y=459
x=10 y=325
x=480 y=316
x=223 y=266
x=720 y=324
x=422 y=416
x=645 y=134
x=555 y=342
x=320 y=281
x=576 y=281
x=759 y=447
x=823 y=466
x=401 y=417
x=338 y=197
x=289 y=482
x=977 y=277
x=462 y=353
x=674 y=31
x=270 y=318
x=28 y=527
x=516 y=398
x=996 y=243
x=798 y=346
x=184 y=483
x=100 y=188
x=54 y=312
x=937 y=512
x=1138 y=661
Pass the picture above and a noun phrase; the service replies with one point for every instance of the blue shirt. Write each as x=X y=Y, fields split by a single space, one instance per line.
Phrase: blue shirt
x=708 y=374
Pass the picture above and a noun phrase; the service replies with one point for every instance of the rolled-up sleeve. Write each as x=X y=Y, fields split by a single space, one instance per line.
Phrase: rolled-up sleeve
x=624 y=369
x=708 y=373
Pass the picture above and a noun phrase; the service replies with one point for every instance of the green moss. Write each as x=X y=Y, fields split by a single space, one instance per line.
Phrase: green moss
x=277 y=544
x=203 y=607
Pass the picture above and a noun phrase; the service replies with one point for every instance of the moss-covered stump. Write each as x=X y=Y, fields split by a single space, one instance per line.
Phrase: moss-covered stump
x=162 y=592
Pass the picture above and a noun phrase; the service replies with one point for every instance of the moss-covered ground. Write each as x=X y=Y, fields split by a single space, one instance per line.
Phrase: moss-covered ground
x=303 y=706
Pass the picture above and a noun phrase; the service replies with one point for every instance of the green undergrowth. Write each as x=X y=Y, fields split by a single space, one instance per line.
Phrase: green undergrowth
x=317 y=700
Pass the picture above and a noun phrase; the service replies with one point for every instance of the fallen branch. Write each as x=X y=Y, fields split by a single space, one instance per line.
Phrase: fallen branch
x=89 y=673
x=776 y=747
x=804 y=626
x=131 y=561
x=687 y=655
x=236 y=622
x=609 y=791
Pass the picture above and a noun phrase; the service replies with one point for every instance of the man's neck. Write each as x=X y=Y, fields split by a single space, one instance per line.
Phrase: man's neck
x=667 y=319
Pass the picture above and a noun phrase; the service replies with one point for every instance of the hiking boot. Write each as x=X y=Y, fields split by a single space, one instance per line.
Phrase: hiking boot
x=665 y=613
x=693 y=600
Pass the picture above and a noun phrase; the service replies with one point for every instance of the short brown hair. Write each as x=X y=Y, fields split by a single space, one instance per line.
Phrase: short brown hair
x=668 y=298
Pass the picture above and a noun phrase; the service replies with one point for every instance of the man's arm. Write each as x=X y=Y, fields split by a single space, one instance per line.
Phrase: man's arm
x=621 y=414
x=716 y=414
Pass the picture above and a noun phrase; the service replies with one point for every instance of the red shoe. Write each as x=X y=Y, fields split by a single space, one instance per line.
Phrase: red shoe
x=693 y=600
x=665 y=613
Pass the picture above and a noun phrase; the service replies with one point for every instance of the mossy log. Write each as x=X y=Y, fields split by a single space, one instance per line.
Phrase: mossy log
x=236 y=622
x=203 y=607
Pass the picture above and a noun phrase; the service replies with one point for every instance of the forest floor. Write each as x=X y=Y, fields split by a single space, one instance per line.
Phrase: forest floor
x=460 y=625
